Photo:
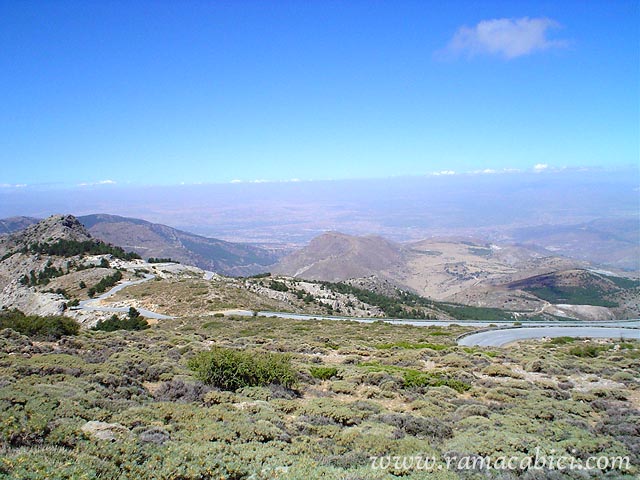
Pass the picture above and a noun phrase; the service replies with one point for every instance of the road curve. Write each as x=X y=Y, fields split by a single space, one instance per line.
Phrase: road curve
x=632 y=323
x=93 y=303
x=504 y=336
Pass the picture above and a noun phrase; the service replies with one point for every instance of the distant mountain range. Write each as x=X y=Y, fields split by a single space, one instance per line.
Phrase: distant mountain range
x=471 y=272
x=454 y=271
x=14 y=224
x=614 y=242
x=161 y=241
x=436 y=268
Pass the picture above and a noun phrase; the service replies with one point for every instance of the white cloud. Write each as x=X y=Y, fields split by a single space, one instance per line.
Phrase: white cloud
x=493 y=171
x=100 y=182
x=443 y=172
x=504 y=37
x=13 y=185
x=260 y=180
x=539 y=167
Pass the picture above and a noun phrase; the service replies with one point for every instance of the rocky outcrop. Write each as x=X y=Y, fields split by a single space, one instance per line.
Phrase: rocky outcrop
x=49 y=230
x=105 y=431
x=13 y=294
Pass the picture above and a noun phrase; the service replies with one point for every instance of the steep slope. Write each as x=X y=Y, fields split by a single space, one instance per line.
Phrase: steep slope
x=23 y=255
x=335 y=256
x=160 y=241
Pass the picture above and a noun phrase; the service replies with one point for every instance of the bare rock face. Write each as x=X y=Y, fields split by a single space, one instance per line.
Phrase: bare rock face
x=15 y=295
x=30 y=302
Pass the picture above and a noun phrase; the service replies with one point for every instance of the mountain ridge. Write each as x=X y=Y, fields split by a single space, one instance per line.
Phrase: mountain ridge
x=161 y=241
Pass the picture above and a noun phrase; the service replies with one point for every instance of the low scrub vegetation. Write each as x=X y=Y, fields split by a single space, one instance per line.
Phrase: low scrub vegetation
x=201 y=398
x=323 y=373
x=231 y=369
x=411 y=346
x=49 y=328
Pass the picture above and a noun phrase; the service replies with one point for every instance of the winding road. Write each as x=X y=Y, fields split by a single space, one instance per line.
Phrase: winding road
x=502 y=333
x=93 y=303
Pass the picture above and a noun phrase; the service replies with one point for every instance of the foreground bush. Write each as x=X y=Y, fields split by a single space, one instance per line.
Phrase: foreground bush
x=231 y=369
x=50 y=328
x=323 y=373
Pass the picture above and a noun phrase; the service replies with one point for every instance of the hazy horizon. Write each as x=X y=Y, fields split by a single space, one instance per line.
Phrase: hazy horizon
x=406 y=208
x=163 y=93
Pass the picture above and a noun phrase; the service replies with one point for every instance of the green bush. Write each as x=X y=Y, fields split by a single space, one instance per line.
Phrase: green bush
x=323 y=373
x=51 y=327
x=587 y=351
x=115 y=323
x=107 y=282
x=231 y=369
x=416 y=379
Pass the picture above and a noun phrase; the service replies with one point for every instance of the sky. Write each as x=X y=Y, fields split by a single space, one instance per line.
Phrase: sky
x=102 y=93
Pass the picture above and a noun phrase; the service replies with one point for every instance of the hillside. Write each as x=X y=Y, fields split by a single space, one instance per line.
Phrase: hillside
x=49 y=230
x=335 y=256
x=160 y=241
x=466 y=272
x=436 y=268
x=15 y=224
x=35 y=260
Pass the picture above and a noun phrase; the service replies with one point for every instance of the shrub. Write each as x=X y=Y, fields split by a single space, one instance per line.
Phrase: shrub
x=278 y=286
x=51 y=327
x=417 y=379
x=107 y=282
x=177 y=390
x=587 y=351
x=418 y=426
x=411 y=346
x=161 y=260
x=231 y=369
x=323 y=373
x=115 y=323
x=495 y=370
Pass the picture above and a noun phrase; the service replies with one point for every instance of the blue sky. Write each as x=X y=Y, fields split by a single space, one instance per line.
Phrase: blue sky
x=220 y=91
